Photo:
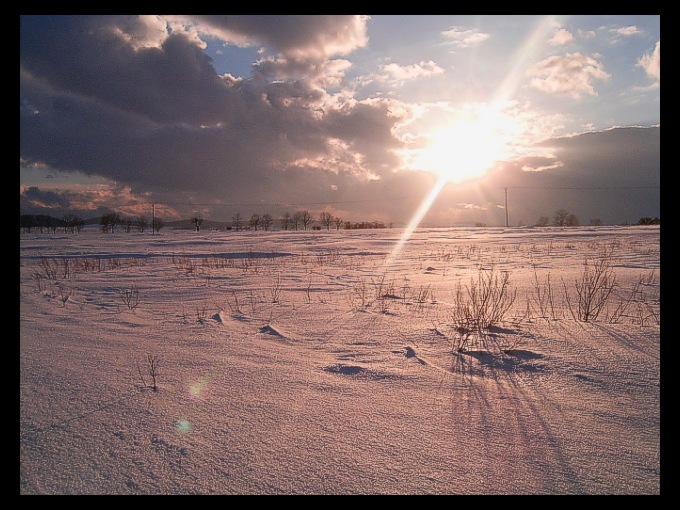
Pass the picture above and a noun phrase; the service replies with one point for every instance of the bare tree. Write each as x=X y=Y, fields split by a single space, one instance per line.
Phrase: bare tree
x=543 y=221
x=109 y=221
x=197 y=221
x=142 y=223
x=157 y=224
x=326 y=219
x=286 y=220
x=266 y=221
x=255 y=220
x=68 y=221
x=338 y=222
x=306 y=218
x=73 y=223
x=571 y=221
x=560 y=218
x=237 y=221
x=297 y=219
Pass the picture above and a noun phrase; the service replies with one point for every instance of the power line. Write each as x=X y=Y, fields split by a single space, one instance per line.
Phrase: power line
x=285 y=204
x=295 y=204
x=580 y=187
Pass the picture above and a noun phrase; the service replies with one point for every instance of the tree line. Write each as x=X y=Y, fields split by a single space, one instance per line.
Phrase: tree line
x=110 y=222
x=297 y=220
x=563 y=218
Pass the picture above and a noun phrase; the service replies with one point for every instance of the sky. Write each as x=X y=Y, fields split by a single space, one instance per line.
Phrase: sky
x=404 y=119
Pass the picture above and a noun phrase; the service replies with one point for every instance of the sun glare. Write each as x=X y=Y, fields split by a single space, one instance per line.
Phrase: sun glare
x=466 y=147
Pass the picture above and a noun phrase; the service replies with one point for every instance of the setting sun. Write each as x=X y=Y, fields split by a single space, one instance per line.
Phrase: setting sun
x=467 y=146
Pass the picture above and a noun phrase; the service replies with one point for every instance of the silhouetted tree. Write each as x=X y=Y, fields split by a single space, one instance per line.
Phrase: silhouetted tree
x=197 y=221
x=571 y=221
x=68 y=222
x=237 y=221
x=142 y=223
x=338 y=222
x=157 y=224
x=255 y=220
x=109 y=222
x=306 y=218
x=560 y=218
x=72 y=223
x=297 y=219
x=266 y=221
x=646 y=220
x=326 y=219
x=543 y=221
x=286 y=220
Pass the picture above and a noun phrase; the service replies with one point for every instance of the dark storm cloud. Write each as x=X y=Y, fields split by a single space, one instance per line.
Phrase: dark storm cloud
x=48 y=199
x=157 y=116
x=87 y=57
x=612 y=175
x=616 y=157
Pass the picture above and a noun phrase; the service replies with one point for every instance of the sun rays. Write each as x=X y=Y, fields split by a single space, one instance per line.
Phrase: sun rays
x=465 y=146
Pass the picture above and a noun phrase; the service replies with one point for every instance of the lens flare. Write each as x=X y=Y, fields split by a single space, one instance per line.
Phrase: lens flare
x=183 y=426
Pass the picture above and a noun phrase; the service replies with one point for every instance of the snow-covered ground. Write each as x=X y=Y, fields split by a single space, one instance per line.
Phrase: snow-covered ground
x=328 y=362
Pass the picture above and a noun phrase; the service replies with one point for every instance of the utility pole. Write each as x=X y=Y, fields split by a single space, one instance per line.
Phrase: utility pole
x=506 y=208
x=153 y=218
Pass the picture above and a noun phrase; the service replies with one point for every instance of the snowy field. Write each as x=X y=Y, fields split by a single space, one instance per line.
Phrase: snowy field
x=341 y=362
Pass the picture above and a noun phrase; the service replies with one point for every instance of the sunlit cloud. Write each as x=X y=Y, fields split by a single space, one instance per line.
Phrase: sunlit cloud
x=462 y=37
x=142 y=32
x=561 y=38
x=543 y=168
x=570 y=75
x=462 y=205
x=625 y=31
x=398 y=74
x=300 y=37
x=651 y=62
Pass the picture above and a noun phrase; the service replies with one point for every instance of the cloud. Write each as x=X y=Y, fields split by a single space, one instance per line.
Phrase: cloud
x=464 y=38
x=46 y=199
x=651 y=62
x=626 y=31
x=152 y=114
x=561 y=38
x=570 y=74
x=400 y=74
x=301 y=37
x=143 y=32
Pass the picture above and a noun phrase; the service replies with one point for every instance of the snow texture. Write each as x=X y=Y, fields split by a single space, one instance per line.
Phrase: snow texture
x=330 y=362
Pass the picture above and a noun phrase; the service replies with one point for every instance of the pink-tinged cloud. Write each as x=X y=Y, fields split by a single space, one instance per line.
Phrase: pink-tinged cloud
x=571 y=74
x=461 y=37
x=561 y=38
x=651 y=62
x=300 y=37
x=399 y=74
x=626 y=31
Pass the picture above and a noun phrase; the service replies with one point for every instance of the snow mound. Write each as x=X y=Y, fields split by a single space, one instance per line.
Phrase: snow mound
x=275 y=332
x=360 y=372
x=219 y=317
